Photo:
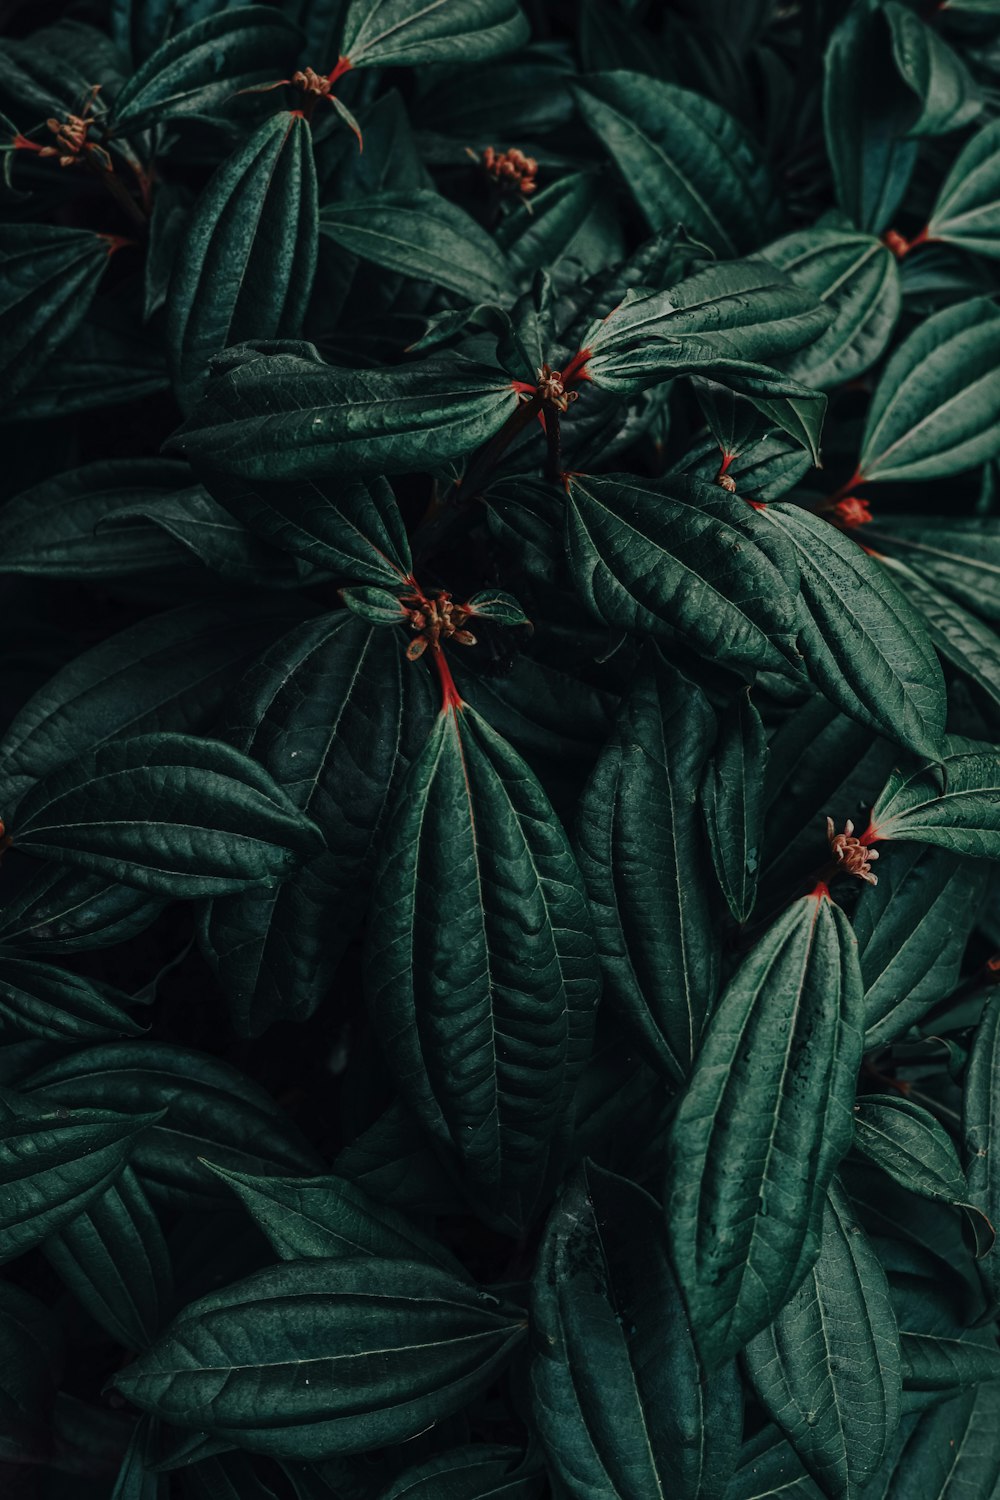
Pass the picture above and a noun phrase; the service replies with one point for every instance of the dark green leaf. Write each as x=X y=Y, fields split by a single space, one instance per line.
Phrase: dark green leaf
x=375 y=606
x=829 y=1368
x=677 y=556
x=960 y=555
x=934 y=1363
x=480 y=1472
x=765 y=1120
x=567 y=229
x=135 y=1481
x=979 y=1129
x=203 y=67
x=60 y=909
x=864 y=644
x=392 y=33
x=244 y=268
x=140 y=26
x=314 y=1358
x=30 y=1360
x=732 y=799
x=169 y=813
x=952 y=1450
x=114 y=1260
x=684 y=159
x=623 y=1404
x=947 y=94
x=954 y=805
x=967 y=210
x=479 y=929
x=642 y=855
x=48 y=277
x=37 y=999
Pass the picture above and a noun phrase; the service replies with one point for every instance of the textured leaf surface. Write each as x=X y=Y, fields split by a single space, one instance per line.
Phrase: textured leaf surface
x=763 y=1124
x=979 y=1126
x=315 y=1358
x=41 y=1000
x=956 y=806
x=828 y=1369
x=479 y=1472
x=623 y=1404
x=641 y=847
x=48 y=277
x=169 y=813
x=481 y=964
x=732 y=800
x=947 y=93
x=967 y=210
x=391 y=33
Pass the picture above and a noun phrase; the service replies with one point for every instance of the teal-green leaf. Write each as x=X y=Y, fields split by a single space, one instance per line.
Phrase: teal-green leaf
x=967 y=209
x=955 y=805
x=53 y=1164
x=335 y=714
x=290 y=416
x=678 y=557
x=245 y=264
x=933 y=1362
x=864 y=644
x=200 y=69
x=952 y=1450
x=642 y=852
x=912 y=930
x=481 y=966
x=623 y=1404
x=169 y=813
x=403 y=33
x=421 y=234
x=483 y=1471
x=31 y=1356
x=113 y=1258
x=135 y=1480
x=959 y=554
x=314 y=1358
x=764 y=1122
x=948 y=97
x=867 y=109
x=936 y=409
x=40 y=1000
x=684 y=159
x=376 y=606
x=48 y=277
x=857 y=278
x=61 y=909
x=138 y=27
x=207 y=1107
x=980 y=1130
x=732 y=800
x=908 y=1143
x=828 y=1369
x=329 y=1218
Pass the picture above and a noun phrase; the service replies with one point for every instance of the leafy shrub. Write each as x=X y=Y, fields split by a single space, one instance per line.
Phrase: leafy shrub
x=502 y=533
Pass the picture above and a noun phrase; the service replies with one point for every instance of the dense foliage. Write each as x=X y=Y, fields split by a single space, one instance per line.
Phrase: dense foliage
x=501 y=532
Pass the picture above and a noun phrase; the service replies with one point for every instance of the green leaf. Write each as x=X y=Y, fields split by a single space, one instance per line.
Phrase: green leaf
x=51 y=530
x=569 y=228
x=203 y=67
x=857 y=278
x=329 y=1218
x=966 y=644
x=623 y=1404
x=764 y=1122
x=867 y=108
x=493 y=604
x=764 y=468
x=60 y=909
x=683 y=158
x=421 y=234
x=967 y=209
x=169 y=672
x=677 y=556
x=865 y=645
x=135 y=1481
x=140 y=26
x=245 y=265
x=30 y=1359
x=936 y=409
x=40 y=1000
x=979 y=1128
x=207 y=1106
x=770 y=1466
x=960 y=555
x=48 y=277
x=951 y=1450
x=934 y=1363
x=828 y=1369
x=169 y=813
x=386 y=1346
x=404 y=33
x=53 y=1164
x=478 y=930
x=912 y=930
x=732 y=800
x=955 y=805
x=480 y=1472
x=375 y=606
x=948 y=96
x=229 y=1476
x=335 y=714
x=113 y=1258
x=290 y=416
x=641 y=847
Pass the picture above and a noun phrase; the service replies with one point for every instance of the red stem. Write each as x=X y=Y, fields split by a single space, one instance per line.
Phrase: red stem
x=451 y=698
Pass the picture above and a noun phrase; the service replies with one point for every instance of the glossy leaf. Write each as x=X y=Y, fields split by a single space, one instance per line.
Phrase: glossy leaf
x=48 y=277
x=967 y=209
x=386 y=1346
x=864 y=644
x=623 y=1404
x=954 y=806
x=683 y=158
x=765 y=1120
x=169 y=813
x=475 y=870
x=829 y=1369
x=244 y=268
x=947 y=93
x=732 y=800
x=682 y=557
x=392 y=33
x=641 y=847
x=936 y=407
